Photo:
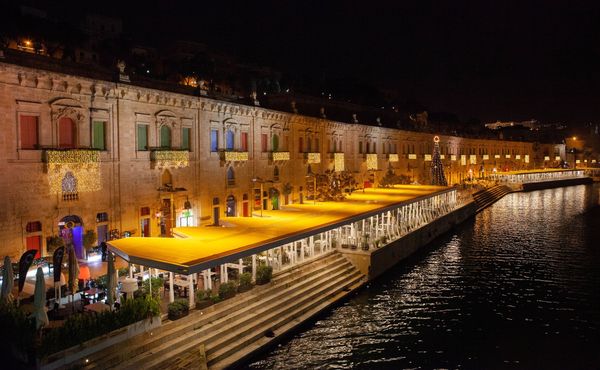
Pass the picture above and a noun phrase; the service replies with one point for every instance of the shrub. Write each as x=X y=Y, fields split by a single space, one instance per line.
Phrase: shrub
x=203 y=295
x=264 y=274
x=157 y=284
x=227 y=290
x=215 y=298
x=79 y=328
x=178 y=308
x=123 y=271
x=245 y=282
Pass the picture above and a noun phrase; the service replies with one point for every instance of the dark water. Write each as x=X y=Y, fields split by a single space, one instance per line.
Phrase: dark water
x=518 y=287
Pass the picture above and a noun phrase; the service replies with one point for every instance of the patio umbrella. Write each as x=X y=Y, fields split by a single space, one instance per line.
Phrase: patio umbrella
x=112 y=282
x=73 y=273
x=8 y=280
x=39 y=300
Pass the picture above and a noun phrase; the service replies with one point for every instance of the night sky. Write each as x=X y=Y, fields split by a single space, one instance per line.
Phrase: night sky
x=493 y=60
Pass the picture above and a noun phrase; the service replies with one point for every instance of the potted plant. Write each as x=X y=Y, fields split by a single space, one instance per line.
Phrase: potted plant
x=263 y=274
x=178 y=309
x=227 y=290
x=203 y=299
x=245 y=282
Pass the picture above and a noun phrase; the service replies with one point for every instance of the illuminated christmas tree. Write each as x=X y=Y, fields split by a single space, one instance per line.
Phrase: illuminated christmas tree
x=437 y=168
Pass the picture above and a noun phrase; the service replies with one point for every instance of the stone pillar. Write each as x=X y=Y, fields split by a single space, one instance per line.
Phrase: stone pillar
x=254 y=267
x=191 y=294
x=171 y=292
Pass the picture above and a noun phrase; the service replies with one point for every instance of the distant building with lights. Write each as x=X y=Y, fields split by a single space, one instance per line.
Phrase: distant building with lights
x=81 y=153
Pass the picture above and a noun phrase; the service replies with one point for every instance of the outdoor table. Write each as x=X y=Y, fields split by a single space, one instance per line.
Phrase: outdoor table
x=93 y=292
x=96 y=307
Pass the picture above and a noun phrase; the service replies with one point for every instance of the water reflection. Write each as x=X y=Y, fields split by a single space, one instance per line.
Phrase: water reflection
x=518 y=287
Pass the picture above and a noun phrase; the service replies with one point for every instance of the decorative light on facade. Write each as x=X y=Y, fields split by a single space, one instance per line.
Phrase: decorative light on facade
x=486 y=157
x=473 y=159
x=546 y=157
x=526 y=158
x=452 y=157
x=171 y=158
x=463 y=159
x=442 y=156
x=393 y=157
x=84 y=166
x=496 y=156
x=507 y=156
x=428 y=157
x=338 y=162
x=557 y=158
x=372 y=161
x=281 y=156
x=518 y=156
x=313 y=158
x=412 y=156
x=236 y=156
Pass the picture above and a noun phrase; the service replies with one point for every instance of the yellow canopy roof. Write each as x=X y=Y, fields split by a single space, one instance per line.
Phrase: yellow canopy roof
x=197 y=248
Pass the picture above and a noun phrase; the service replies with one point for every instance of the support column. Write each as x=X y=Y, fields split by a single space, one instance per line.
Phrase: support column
x=254 y=267
x=191 y=294
x=171 y=292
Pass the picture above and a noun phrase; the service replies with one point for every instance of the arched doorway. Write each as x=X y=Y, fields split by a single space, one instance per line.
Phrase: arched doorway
x=230 y=206
x=71 y=230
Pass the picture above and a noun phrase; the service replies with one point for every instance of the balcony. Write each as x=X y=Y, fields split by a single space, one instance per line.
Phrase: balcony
x=168 y=158
x=313 y=158
x=280 y=156
x=231 y=156
x=393 y=157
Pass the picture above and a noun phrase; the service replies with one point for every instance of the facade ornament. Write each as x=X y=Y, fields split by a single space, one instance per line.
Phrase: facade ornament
x=122 y=76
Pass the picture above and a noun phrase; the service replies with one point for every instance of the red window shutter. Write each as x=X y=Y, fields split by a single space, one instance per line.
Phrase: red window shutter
x=244 y=141
x=35 y=242
x=29 y=132
x=66 y=133
x=263 y=142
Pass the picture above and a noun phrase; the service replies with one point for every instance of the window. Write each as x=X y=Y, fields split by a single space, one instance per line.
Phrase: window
x=66 y=133
x=214 y=140
x=230 y=177
x=263 y=142
x=165 y=137
x=317 y=146
x=33 y=227
x=229 y=140
x=360 y=148
x=102 y=217
x=368 y=147
x=275 y=143
x=145 y=211
x=244 y=141
x=300 y=145
x=99 y=135
x=276 y=173
x=29 y=132
x=308 y=144
x=142 y=137
x=186 y=134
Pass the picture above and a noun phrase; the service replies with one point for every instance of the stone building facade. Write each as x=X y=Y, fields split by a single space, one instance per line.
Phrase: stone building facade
x=79 y=154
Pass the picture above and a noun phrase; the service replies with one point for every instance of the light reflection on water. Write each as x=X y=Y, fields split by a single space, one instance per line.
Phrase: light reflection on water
x=517 y=287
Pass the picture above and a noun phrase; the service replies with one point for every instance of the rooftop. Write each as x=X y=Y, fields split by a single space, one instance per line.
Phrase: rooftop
x=198 y=248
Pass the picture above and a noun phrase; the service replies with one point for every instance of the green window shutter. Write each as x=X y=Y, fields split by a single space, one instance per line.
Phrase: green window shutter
x=98 y=135
x=142 y=137
x=165 y=137
x=185 y=138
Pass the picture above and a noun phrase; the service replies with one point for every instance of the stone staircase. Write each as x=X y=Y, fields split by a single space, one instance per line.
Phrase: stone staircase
x=487 y=197
x=230 y=331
